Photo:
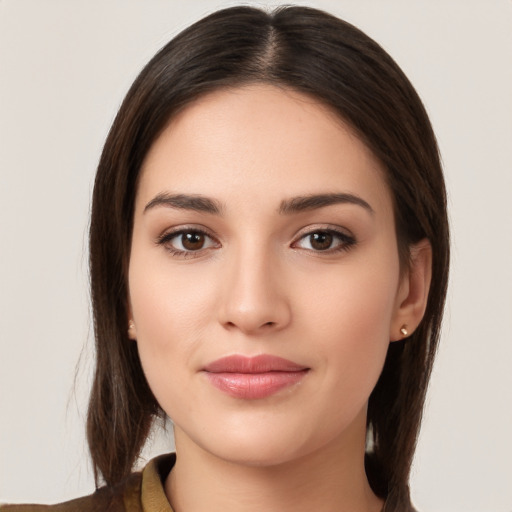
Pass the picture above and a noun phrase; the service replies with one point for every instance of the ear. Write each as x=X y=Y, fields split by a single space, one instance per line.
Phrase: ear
x=412 y=296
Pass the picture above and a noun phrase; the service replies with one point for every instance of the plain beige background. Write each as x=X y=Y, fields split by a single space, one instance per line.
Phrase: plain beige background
x=64 y=68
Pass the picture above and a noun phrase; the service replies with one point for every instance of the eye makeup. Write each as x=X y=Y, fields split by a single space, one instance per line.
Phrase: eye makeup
x=192 y=242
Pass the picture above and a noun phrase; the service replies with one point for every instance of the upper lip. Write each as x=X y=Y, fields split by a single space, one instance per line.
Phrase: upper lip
x=258 y=364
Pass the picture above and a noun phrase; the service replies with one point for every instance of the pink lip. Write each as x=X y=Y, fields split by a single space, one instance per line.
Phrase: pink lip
x=253 y=377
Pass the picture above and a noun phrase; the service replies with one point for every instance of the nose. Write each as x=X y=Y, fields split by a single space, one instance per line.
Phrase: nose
x=255 y=298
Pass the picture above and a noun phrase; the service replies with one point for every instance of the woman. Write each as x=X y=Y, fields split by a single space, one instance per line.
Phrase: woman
x=269 y=258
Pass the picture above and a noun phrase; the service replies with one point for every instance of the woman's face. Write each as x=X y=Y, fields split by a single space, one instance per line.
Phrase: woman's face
x=264 y=276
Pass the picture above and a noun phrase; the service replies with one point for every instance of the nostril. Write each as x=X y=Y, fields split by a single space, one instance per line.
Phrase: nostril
x=232 y=325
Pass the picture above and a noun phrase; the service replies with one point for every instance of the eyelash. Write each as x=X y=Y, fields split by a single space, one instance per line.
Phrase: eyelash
x=166 y=238
x=345 y=241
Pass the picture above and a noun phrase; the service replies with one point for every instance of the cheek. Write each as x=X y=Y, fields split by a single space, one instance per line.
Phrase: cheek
x=166 y=298
x=350 y=314
x=171 y=312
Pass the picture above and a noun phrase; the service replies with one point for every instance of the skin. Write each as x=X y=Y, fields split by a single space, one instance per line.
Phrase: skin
x=260 y=285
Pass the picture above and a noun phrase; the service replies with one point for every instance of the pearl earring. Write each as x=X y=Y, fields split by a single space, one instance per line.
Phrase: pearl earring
x=404 y=330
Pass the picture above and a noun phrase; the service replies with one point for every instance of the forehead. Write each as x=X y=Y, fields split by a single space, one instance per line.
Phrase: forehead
x=260 y=142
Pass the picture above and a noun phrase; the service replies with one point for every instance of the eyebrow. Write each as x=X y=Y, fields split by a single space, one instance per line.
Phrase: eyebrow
x=186 y=202
x=297 y=204
x=314 y=201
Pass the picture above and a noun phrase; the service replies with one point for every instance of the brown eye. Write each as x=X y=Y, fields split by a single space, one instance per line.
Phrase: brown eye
x=192 y=241
x=325 y=240
x=187 y=241
x=320 y=241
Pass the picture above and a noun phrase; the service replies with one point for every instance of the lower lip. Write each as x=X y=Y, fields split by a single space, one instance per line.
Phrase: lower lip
x=251 y=386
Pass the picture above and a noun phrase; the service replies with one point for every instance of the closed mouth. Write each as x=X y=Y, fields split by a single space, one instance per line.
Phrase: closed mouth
x=253 y=377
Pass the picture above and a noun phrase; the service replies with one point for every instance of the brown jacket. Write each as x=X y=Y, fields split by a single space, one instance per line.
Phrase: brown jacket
x=140 y=492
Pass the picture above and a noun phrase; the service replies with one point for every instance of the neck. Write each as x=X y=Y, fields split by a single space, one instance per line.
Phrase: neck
x=329 y=479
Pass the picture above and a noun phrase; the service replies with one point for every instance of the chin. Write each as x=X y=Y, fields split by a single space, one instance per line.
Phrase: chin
x=264 y=448
x=255 y=455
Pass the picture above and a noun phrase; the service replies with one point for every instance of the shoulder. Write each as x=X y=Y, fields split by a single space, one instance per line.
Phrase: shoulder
x=138 y=492
x=125 y=497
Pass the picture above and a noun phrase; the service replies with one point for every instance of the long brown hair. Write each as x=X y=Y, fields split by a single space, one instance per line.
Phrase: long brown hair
x=319 y=55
